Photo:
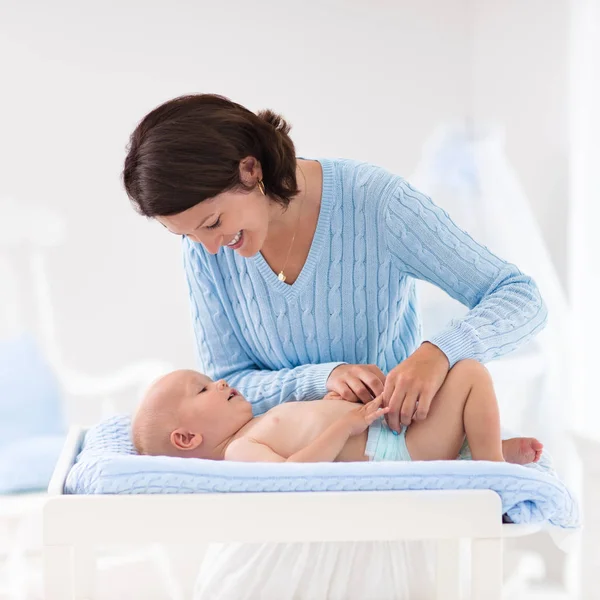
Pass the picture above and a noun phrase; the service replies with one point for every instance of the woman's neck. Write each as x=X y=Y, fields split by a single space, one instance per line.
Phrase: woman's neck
x=284 y=220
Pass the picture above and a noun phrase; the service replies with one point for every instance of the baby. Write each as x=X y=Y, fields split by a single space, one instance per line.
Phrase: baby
x=186 y=414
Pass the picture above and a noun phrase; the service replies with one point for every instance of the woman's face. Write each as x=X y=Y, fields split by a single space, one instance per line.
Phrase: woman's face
x=238 y=220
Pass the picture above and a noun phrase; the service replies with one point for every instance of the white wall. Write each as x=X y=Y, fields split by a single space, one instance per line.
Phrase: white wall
x=356 y=79
x=520 y=74
x=585 y=212
x=366 y=81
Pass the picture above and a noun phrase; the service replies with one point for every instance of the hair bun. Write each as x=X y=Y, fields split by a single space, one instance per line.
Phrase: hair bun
x=277 y=121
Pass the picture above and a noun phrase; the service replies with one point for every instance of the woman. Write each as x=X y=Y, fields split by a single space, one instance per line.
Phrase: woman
x=301 y=279
x=301 y=273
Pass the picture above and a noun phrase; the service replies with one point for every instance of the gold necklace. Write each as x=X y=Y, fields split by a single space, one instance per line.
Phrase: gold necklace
x=281 y=275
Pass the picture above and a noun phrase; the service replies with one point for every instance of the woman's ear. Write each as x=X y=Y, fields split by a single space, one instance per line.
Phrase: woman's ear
x=250 y=171
x=185 y=440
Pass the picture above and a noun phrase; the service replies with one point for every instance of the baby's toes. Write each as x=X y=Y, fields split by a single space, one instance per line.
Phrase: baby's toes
x=536 y=445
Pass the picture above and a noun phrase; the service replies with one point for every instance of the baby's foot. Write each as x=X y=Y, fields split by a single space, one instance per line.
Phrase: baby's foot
x=522 y=451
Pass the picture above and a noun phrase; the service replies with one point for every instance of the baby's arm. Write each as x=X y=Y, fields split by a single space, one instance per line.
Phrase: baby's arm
x=325 y=448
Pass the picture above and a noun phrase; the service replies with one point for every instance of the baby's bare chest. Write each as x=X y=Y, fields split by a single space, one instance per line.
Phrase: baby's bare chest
x=290 y=427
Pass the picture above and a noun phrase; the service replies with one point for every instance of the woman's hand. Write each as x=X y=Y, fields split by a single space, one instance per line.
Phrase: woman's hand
x=356 y=383
x=416 y=379
x=361 y=417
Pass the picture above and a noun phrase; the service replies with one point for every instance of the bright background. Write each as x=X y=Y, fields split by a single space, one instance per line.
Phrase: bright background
x=364 y=80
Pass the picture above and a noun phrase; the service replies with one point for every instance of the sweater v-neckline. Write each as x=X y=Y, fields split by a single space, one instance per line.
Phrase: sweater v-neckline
x=272 y=280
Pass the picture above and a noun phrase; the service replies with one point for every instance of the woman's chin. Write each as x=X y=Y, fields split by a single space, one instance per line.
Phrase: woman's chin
x=247 y=249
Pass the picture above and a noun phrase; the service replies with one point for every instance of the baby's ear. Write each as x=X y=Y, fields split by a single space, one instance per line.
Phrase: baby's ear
x=185 y=440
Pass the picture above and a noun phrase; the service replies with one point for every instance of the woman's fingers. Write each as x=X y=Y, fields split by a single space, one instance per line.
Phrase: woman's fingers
x=395 y=404
x=360 y=390
x=376 y=371
x=373 y=379
x=345 y=392
x=356 y=383
x=408 y=408
x=374 y=382
x=425 y=398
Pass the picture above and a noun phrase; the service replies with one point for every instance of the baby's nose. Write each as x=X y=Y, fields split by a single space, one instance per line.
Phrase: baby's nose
x=222 y=384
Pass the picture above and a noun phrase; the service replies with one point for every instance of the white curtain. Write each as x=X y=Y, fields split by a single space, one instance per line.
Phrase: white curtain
x=585 y=211
x=467 y=172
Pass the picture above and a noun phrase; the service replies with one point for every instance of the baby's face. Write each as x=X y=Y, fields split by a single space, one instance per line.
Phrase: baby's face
x=204 y=401
x=204 y=406
x=192 y=414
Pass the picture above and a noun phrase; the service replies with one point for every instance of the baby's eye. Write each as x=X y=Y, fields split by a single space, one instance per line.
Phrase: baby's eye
x=202 y=390
x=215 y=224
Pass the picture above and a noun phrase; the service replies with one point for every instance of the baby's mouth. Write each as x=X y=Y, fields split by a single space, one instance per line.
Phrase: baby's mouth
x=231 y=395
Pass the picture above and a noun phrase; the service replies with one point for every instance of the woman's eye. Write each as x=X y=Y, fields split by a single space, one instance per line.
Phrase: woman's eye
x=215 y=224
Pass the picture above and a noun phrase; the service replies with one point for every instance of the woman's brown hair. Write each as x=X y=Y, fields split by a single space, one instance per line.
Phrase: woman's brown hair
x=189 y=149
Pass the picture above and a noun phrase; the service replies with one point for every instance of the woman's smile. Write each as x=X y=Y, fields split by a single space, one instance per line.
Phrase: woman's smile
x=237 y=241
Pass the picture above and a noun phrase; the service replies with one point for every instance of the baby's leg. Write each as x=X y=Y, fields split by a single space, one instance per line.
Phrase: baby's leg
x=466 y=403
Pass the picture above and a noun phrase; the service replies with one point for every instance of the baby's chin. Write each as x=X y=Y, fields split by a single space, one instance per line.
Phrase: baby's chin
x=243 y=402
x=239 y=399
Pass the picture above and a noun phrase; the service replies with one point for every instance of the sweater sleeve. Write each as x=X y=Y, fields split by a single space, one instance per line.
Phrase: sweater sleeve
x=506 y=309
x=223 y=353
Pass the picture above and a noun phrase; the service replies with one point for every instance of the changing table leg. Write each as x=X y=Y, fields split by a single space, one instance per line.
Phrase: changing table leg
x=84 y=573
x=486 y=569
x=69 y=573
x=448 y=570
x=58 y=572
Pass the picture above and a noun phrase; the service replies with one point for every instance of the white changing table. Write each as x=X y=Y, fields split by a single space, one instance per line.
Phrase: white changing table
x=74 y=525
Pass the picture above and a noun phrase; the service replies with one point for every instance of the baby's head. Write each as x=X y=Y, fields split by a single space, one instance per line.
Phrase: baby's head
x=186 y=414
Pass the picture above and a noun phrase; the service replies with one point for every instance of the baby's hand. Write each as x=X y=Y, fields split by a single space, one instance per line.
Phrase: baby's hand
x=362 y=416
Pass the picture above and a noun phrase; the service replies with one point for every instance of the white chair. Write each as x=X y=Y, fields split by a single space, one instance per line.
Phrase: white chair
x=27 y=235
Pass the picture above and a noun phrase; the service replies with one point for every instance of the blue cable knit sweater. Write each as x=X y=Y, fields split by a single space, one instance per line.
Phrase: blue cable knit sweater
x=354 y=301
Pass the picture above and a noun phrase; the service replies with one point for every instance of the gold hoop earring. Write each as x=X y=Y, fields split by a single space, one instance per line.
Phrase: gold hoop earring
x=261 y=187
